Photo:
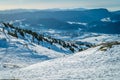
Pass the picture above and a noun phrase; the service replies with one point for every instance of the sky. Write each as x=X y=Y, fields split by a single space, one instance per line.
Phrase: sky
x=48 y=4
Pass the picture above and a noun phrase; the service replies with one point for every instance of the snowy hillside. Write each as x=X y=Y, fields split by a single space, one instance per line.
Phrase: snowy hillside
x=27 y=55
x=17 y=53
x=91 y=64
x=44 y=40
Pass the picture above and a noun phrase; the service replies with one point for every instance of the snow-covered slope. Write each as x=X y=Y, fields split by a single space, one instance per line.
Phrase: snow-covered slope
x=44 y=40
x=98 y=38
x=91 y=64
x=26 y=60
x=17 y=53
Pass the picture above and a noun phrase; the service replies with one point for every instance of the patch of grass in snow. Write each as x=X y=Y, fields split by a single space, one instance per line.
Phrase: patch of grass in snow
x=108 y=45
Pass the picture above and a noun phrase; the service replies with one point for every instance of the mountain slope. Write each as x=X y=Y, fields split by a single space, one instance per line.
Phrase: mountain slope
x=89 y=64
x=22 y=59
x=17 y=53
x=44 y=40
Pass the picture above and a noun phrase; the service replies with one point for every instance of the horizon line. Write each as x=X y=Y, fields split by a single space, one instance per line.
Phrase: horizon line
x=55 y=8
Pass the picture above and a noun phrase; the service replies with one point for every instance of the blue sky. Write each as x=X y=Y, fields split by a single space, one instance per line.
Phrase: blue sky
x=45 y=4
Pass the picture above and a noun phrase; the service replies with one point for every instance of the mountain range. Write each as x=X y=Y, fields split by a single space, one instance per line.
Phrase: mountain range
x=58 y=19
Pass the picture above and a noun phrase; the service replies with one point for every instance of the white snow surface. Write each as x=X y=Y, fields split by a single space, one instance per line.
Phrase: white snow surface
x=106 y=19
x=101 y=38
x=22 y=60
x=80 y=23
x=91 y=64
x=18 y=53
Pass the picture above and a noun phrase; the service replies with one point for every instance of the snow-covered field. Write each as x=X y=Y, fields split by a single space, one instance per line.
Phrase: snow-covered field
x=20 y=59
x=17 y=53
x=91 y=64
